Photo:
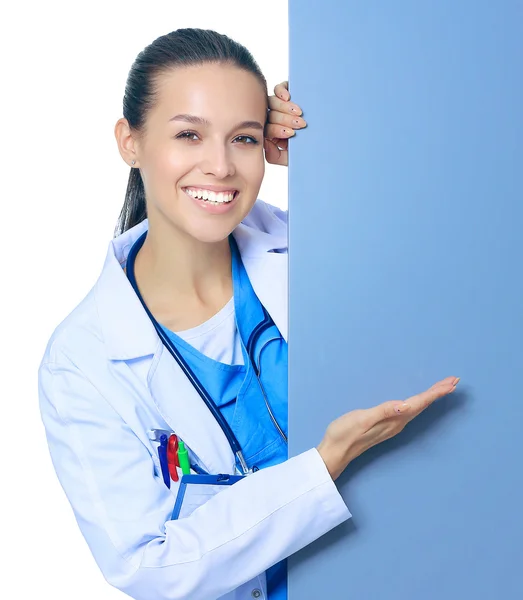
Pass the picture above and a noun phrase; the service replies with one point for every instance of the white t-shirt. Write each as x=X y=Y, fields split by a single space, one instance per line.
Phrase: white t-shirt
x=218 y=338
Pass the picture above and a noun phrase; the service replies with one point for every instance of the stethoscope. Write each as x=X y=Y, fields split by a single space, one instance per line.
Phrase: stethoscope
x=231 y=438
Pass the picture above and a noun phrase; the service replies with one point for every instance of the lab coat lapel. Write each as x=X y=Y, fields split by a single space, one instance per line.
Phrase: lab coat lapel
x=262 y=241
x=175 y=396
x=268 y=277
x=188 y=416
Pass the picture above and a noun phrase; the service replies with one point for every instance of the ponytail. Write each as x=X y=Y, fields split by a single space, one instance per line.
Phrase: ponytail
x=134 y=209
x=180 y=48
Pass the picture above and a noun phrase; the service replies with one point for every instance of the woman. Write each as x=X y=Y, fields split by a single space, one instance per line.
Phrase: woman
x=194 y=297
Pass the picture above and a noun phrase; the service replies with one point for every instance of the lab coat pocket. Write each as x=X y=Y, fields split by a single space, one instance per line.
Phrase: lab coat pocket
x=196 y=490
x=164 y=461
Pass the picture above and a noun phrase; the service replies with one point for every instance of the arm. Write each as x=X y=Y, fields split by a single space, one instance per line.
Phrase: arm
x=123 y=510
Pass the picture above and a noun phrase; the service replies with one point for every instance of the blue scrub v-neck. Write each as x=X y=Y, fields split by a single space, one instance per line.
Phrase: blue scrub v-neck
x=241 y=392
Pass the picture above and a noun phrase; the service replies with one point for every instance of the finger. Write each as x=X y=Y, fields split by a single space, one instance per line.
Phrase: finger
x=282 y=144
x=275 y=148
x=421 y=401
x=275 y=155
x=282 y=90
x=389 y=410
x=286 y=120
x=286 y=107
x=370 y=417
x=273 y=131
x=414 y=404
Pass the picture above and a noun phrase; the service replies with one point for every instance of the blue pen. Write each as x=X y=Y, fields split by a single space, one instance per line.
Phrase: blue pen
x=162 y=455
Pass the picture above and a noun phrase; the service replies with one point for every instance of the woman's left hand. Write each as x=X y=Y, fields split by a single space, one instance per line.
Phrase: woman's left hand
x=284 y=118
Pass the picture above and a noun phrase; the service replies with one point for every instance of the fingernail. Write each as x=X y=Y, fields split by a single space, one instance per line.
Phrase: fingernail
x=401 y=408
x=289 y=132
x=296 y=109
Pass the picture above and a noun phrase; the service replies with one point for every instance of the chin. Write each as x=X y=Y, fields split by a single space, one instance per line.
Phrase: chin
x=210 y=233
x=214 y=229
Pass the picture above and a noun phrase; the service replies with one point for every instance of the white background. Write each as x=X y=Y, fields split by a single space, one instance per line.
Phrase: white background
x=63 y=72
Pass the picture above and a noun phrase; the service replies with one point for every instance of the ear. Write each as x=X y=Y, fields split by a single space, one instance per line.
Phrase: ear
x=127 y=145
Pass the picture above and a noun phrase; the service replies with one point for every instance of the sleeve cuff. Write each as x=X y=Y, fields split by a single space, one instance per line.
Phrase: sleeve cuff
x=318 y=476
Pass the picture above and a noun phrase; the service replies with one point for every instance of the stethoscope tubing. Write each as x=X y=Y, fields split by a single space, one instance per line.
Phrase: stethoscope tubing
x=231 y=438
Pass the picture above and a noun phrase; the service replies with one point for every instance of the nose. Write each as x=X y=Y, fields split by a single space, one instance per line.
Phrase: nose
x=217 y=160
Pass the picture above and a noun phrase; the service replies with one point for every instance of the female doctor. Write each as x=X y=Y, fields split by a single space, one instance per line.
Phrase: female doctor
x=185 y=332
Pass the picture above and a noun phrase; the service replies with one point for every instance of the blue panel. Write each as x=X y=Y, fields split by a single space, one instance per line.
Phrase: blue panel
x=406 y=218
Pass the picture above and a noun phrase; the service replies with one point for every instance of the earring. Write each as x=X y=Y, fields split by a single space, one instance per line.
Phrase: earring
x=132 y=162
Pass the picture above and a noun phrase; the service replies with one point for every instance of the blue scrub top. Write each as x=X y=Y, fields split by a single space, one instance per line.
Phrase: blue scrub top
x=242 y=391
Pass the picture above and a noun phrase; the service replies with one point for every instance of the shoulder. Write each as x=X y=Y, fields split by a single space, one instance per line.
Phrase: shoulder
x=266 y=217
x=77 y=335
x=97 y=330
x=263 y=230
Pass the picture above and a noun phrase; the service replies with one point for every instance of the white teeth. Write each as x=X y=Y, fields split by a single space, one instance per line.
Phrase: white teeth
x=214 y=197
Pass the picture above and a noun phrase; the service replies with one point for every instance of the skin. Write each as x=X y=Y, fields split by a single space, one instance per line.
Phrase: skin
x=185 y=261
x=284 y=119
x=183 y=269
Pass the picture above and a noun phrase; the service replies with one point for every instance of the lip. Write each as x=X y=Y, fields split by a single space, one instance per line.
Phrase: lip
x=213 y=209
x=210 y=188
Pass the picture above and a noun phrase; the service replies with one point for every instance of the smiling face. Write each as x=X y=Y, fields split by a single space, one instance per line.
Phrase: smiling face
x=201 y=152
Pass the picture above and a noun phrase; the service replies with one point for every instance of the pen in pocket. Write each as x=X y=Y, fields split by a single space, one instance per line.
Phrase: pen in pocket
x=172 y=456
x=162 y=455
x=175 y=454
x=183 y=457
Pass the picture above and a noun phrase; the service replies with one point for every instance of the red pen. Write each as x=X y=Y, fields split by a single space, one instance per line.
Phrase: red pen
x=172 y=456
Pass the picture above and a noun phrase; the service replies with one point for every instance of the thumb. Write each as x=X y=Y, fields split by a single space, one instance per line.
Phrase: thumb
x=273 y=154
x=388 y=410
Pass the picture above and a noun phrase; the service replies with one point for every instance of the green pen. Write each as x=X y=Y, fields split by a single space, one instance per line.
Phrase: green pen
x=183 y=458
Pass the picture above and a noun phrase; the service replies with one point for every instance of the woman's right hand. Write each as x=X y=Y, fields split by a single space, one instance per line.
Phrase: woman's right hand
x=354 y=432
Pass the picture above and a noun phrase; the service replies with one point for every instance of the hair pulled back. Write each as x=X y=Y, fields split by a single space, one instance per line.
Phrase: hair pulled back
x=180 y=48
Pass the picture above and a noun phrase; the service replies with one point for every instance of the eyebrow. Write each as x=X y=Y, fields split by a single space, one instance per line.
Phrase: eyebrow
x=205 y=123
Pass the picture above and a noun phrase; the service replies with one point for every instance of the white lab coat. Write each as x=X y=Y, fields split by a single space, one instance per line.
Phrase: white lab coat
x=106 y=380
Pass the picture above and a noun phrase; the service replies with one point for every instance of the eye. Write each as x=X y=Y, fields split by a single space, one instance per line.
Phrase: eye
x=191 y=135
x=247 y=139
x=187 y=135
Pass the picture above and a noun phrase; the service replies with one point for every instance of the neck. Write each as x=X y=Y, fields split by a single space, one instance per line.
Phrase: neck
x=183 y=281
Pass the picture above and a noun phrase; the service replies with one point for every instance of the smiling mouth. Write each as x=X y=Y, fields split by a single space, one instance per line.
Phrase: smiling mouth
x=210 y=197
